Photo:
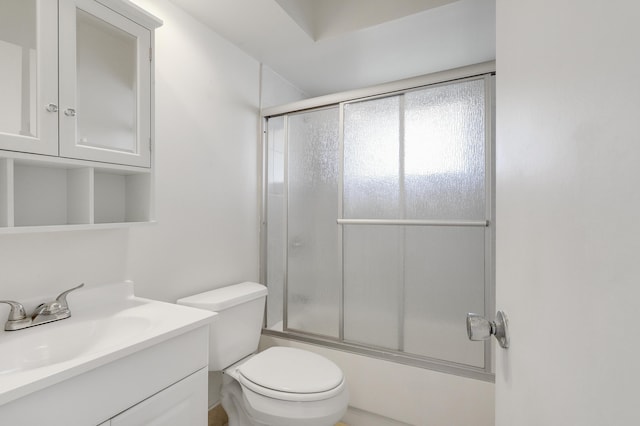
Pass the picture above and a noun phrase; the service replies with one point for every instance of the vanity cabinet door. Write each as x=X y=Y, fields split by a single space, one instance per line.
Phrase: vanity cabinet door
x=105 y=85
x=184 y=403
x=29 y=76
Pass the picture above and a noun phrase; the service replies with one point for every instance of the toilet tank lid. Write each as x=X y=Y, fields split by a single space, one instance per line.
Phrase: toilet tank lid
x=225 y=297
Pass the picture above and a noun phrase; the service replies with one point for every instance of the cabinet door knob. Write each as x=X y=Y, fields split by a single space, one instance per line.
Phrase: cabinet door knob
x=70 y=112
x=52 y=108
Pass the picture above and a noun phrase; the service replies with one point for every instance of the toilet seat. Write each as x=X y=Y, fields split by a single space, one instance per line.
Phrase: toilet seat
x=291 y=374
x=251 y=408
x=289 y=396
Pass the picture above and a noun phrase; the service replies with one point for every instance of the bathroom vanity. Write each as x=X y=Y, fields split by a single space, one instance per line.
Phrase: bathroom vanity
x=118 y=360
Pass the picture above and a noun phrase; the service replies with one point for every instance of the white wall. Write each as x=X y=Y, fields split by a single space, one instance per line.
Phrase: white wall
x=44 y=264
x=275 y=90
x=568 y=235
x=207 y=105
x=207 y=94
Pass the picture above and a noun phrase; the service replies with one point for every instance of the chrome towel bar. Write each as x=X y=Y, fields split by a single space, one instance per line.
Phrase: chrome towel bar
x=403 y=222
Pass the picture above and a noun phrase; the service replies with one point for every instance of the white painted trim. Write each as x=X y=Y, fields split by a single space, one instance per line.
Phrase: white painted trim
x=133 y=12
x=6 y=192
x=58 y=228
x=51 y=161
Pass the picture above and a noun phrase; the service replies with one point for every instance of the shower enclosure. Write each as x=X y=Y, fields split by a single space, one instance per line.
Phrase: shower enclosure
x=378 y=223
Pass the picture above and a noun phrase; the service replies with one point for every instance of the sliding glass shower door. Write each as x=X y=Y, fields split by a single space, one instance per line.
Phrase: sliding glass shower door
x=313 y=241
x=303 y=241
x=378 y=221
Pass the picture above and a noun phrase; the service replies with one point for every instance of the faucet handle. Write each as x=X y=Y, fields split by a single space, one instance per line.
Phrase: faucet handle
x=17 y=312
x=62 y=297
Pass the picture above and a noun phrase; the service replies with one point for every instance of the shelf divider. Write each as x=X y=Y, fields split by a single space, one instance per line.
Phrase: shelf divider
x=6 y=193
x=80 y=196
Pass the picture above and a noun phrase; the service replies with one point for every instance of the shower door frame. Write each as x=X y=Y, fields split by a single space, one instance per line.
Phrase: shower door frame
x=484 y=71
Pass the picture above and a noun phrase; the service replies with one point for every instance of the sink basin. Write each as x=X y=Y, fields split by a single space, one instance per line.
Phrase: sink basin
x=107 y=323
x=61 y=341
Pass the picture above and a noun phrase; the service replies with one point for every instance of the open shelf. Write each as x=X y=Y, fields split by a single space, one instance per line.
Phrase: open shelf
x=48 y=194
x=121 y=198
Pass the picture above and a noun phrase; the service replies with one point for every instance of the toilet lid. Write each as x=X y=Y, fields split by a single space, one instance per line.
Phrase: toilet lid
x=291 y=370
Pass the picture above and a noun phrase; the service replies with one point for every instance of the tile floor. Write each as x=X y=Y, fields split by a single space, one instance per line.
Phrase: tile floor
x=217 y=417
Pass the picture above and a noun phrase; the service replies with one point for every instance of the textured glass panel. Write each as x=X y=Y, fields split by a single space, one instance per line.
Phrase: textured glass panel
x=371 y=159
x=444 y=280
x=314 y=275
x=275 y=222
x=107 y=92
x=18 y=65
x=444 y=152
x=372 y=284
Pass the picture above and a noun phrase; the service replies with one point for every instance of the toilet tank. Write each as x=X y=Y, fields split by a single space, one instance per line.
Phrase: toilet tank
x=235 y=333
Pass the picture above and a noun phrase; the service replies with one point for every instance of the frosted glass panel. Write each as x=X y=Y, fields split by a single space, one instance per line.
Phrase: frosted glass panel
x=444 y=152
x=372 y=284
x=371 y=159
x=314 y=274
x=107 y=92
x=275 y=222
x=444 y=280
x=18 y=66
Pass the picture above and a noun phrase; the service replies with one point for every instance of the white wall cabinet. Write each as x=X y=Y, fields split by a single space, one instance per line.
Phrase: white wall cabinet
x=76 y=115
x=29 y=76
x=105 y=85
x=98 y=107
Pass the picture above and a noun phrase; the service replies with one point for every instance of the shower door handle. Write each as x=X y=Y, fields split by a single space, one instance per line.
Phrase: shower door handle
x=480 y=328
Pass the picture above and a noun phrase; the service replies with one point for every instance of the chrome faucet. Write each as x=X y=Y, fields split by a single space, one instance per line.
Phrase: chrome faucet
x=45 y=312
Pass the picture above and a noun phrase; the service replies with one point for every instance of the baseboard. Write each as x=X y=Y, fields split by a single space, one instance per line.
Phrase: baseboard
x=356 y=417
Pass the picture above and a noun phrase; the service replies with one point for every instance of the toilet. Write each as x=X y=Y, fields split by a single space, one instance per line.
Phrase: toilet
x=279 y=386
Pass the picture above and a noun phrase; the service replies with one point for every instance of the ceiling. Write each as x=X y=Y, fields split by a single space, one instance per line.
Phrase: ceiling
x=328 y=46
x=329 y=18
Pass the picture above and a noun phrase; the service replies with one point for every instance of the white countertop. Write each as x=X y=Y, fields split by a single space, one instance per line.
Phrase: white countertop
x=108 y=323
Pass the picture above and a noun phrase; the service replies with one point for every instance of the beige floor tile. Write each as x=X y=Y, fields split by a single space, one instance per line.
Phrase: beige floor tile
x=217 y=417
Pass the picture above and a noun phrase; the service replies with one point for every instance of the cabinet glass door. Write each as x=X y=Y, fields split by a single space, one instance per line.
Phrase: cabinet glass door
x=29 y=76
x=105 y=85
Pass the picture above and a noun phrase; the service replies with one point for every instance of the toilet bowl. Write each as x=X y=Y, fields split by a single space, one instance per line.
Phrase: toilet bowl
x=280 y=386
x=287 y=386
